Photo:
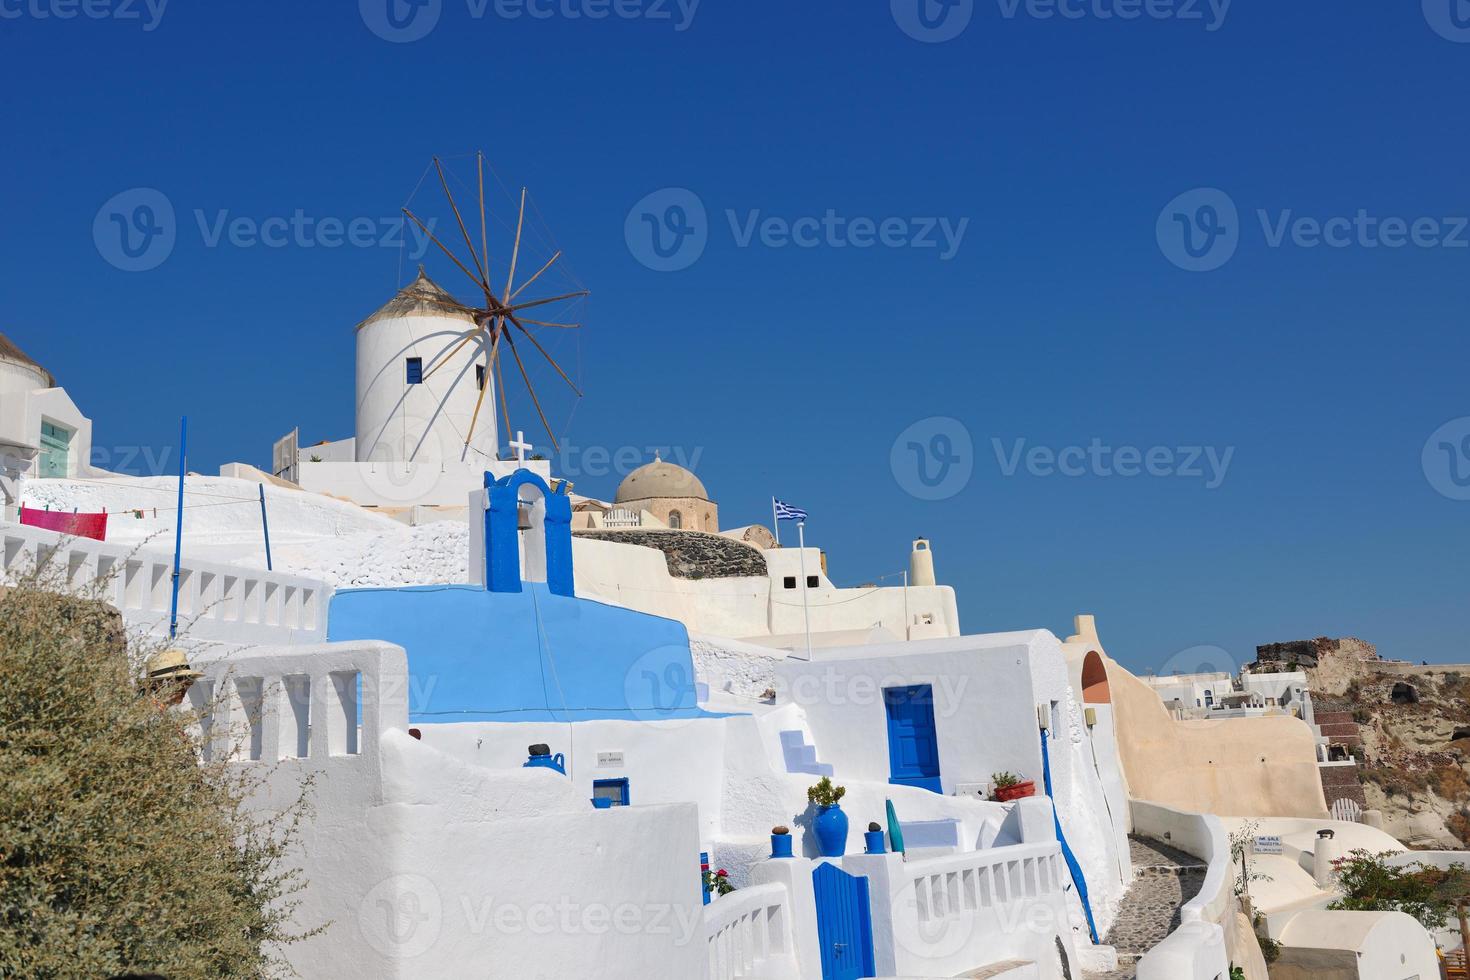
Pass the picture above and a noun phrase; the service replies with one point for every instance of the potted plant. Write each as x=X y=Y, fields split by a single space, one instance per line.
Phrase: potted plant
x=873 y=839
x=780 y=841
x=831 y=822
x=1007 y=786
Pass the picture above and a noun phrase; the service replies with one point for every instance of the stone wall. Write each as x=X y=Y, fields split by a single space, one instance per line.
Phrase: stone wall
x=692 y=554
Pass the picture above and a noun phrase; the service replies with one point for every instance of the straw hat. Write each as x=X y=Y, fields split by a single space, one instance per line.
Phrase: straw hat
x=169 y=665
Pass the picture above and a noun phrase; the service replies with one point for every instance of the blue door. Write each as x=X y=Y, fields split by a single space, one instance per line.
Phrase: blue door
x=913 y=746
x=844 y=924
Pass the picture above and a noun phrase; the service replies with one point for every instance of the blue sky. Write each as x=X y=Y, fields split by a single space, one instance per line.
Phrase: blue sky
x=1067 y=156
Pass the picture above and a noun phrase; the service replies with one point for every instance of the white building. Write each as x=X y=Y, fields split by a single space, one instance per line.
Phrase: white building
x=427 y=429
x=42 y=432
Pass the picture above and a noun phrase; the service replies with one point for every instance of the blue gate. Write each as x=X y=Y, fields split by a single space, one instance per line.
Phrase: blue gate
x=913 y=744
x=844 y=923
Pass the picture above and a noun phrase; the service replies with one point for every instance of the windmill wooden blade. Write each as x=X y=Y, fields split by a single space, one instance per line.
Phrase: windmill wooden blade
x=444 y=248
x=543 y=323
x=522 y=287
x=483 y=280
x=515 y=254
x=484 y=240
x=549 y=358
x=532 y=389
x=494 y=347
x=542 y=302
x=500 y=388
x=450 y=356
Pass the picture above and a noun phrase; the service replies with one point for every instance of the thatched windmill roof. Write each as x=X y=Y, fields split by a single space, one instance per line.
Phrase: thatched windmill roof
x=422 y=297
x=13 y=354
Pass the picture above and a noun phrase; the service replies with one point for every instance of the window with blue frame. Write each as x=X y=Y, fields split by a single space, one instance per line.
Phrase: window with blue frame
x=611 y=789
x=415 y=367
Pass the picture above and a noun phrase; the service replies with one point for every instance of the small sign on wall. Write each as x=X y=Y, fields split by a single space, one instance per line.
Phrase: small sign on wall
x=1268 y=845
x=609 y=760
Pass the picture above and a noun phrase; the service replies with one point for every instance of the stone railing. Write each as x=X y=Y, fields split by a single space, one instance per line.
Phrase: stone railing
x=749 y=935
x=219 y=602
x=1197 y=949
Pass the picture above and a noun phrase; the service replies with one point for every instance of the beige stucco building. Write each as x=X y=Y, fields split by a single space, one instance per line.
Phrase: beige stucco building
x=671 y=494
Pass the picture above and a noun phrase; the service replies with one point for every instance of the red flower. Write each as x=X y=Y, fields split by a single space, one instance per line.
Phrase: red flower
x=722 y=873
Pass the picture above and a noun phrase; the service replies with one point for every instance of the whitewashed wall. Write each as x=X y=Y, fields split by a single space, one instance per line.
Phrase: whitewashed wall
x=425 y=865
x=220 y=603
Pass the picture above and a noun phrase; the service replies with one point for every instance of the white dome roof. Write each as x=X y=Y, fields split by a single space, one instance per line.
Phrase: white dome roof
x=660 y=479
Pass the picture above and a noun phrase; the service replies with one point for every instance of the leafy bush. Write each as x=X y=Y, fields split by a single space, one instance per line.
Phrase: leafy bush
x=119 y=851
x=1370 y=884
x=1005 y=780
x=824 y=793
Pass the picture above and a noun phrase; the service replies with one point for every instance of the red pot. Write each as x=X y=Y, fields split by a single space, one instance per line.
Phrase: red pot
x=1020 y=791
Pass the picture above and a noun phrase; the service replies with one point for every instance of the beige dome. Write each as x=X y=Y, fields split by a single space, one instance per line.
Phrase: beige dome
x=660 y=479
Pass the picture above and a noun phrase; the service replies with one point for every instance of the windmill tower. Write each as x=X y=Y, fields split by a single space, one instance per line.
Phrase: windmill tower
x=427 y=363
x=403 y=413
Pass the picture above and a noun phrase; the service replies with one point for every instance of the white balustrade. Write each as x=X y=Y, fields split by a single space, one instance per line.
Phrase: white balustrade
x=217 y=601
x=962 y=884
x=749 y=934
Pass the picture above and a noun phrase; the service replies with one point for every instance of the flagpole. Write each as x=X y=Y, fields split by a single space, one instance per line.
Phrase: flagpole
x=776 y=522
x=805 y=609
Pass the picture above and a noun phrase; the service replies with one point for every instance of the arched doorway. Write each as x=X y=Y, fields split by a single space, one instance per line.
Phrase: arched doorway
x=1095 y=689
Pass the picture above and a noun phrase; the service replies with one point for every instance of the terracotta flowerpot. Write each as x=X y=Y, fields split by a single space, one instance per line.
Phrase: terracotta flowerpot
x=1020 y=791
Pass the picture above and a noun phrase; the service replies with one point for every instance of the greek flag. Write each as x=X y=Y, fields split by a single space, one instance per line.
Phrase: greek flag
x=786 y=512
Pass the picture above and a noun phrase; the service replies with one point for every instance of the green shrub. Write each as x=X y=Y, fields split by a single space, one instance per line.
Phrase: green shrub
x=119 y=851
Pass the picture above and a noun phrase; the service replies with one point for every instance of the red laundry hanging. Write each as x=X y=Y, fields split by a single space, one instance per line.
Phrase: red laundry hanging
x=81 y=525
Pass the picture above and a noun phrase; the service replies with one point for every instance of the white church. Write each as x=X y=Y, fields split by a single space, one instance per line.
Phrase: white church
x=536 y=720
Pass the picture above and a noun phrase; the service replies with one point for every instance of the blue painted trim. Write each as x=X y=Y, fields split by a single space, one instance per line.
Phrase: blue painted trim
x=502 y=534
x=624 y=799
x=845 y=920
x=173 y=608
x=265 y=525
x=1078 y=878
x=902 y=706
x=475 y=655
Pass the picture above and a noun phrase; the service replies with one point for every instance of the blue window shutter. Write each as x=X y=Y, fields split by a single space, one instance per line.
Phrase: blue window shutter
x=415 y=370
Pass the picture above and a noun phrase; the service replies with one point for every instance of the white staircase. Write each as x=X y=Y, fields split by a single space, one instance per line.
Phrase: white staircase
x=801 y=756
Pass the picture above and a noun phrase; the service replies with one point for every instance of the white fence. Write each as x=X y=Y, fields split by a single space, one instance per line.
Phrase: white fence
x=227 y=603
x=749 y=934
x=317 y=704
x=1197 y=949
x=955 y=913
x=961 y=884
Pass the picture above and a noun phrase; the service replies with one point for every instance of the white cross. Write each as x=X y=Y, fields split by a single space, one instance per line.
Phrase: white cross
x=520 y=445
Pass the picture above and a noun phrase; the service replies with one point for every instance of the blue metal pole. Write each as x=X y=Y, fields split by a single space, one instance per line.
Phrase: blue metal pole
x=173 y=613
x=266 y=526
x=1073 y=866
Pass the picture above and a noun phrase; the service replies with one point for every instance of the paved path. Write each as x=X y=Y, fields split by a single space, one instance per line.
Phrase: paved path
x=1164 y=880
